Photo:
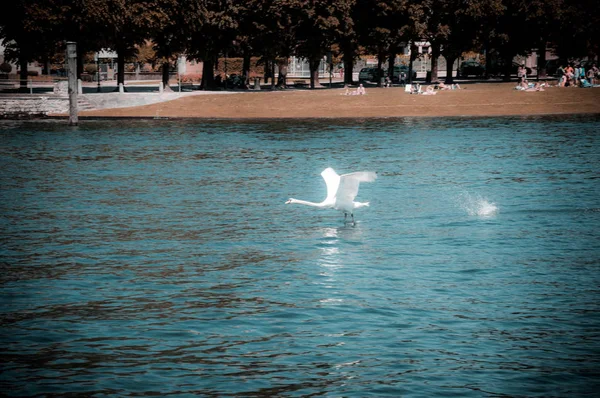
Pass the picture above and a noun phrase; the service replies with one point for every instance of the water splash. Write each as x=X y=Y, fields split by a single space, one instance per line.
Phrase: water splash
x=477 y=205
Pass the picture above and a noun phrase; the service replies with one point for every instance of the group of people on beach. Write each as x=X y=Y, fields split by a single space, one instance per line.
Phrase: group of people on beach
x=571 y=76
x=523 y=84
x=430 y=90
x=529 y=87
x=576 y=76
x=414 y=88
x=360 y=90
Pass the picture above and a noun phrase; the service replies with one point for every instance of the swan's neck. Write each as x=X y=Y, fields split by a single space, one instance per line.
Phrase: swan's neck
x=305 y=202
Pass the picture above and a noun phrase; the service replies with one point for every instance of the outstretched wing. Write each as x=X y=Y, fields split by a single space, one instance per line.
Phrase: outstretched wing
x=332 y=179
x=348 y=188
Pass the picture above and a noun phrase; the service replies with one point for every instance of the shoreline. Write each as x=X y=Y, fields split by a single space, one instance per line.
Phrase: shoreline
x=313 y=118
x=473 y=100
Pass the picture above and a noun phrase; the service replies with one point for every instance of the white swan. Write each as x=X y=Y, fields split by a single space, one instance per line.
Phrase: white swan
x=341 y=191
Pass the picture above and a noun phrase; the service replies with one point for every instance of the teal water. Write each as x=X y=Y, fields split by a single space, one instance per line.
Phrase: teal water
x=159 y=258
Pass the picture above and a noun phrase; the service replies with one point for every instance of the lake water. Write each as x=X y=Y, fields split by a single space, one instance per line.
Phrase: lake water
x=158 y=258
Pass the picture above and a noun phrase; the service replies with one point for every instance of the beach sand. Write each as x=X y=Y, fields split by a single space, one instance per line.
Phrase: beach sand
x=484 y=99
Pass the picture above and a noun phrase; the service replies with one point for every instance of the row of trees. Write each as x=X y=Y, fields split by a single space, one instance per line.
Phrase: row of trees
x=277 y=29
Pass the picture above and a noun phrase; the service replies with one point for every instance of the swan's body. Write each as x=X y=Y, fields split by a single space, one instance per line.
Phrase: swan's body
x=341 y=191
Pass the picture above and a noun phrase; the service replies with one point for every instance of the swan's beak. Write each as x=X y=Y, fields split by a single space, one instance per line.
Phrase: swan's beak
x=288 y=202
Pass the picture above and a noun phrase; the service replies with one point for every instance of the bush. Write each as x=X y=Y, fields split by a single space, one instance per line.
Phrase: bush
x=90 y=68
x=5 y=67
x=191 y=78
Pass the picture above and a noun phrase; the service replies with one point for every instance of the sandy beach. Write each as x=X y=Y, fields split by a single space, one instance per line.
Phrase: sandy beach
x=484 y=99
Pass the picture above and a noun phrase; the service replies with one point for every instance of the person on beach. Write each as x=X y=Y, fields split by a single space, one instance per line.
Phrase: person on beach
x=522 y=73
x=583 y=83
x=415 y=88
x=429 y=91
x=560 y=72
x=593 y=74
x=536 y=87
x=360 y=90
x=570 y=73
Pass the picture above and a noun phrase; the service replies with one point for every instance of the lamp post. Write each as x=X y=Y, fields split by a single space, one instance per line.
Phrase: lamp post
x=97 y=59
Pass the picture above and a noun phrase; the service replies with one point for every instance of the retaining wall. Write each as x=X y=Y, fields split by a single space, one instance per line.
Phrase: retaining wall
x=31 y=106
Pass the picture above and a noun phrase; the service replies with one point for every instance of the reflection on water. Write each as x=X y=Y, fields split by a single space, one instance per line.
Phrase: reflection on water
x=158 y=258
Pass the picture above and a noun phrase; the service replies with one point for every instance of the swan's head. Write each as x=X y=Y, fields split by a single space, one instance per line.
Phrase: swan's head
x=290 y=200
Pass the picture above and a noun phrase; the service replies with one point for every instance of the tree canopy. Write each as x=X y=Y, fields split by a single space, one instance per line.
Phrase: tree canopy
x=277 y=29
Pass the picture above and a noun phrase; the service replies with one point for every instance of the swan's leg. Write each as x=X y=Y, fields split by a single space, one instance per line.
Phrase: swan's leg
x=345 y=216
x=353 y=222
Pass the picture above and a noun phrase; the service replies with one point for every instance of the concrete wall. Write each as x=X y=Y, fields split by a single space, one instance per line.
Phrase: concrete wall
x=31 y=106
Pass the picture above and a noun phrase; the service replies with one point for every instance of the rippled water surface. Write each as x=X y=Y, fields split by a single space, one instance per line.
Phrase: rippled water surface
x=159 y=258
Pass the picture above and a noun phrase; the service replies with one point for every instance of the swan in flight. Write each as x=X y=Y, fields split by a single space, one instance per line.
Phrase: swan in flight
x=341 y=191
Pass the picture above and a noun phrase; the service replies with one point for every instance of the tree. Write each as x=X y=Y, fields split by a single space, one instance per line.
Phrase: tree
x=511 y=35
x=578 y=30
x=462 y=36
x=384 y=28
x=318 y=25
x=273 y=33
x=213 y=31
x=25 y=28
x=127 y=24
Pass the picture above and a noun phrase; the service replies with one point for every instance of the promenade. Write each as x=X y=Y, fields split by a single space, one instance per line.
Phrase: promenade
x=480 y=99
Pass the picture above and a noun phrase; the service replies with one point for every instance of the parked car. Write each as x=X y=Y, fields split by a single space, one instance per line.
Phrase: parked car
x=471 y=68
x=371 y=74
x=398 y=70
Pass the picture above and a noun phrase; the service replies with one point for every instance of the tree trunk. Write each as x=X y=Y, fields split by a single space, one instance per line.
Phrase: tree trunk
x=413 y=56
x=120 y=66
x=314 y=72
x=246 y=67
x=208 y=73
x=348 y=67
x=541 y=63
x=23 y=74
x=450 y=59
x=488 y=59
x=283 y=70
x=435 y=54
x=165 y=74
x=391 y=61
x=80 y=54
x=46 y=63
x=267 y=72
x=380 y=59
x=272 y=75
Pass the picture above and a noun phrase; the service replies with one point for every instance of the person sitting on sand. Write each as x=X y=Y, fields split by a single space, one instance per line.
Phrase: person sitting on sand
x=562 y=81
x=415 y=88
x=591 y=74
x=442 y=86
x=360 y=90
x=429 y=91
x=536 y=87
x=595 y=72
x=522 y=85
x=584 y=83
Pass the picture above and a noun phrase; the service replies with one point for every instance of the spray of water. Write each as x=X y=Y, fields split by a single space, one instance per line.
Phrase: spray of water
x=477 y=205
